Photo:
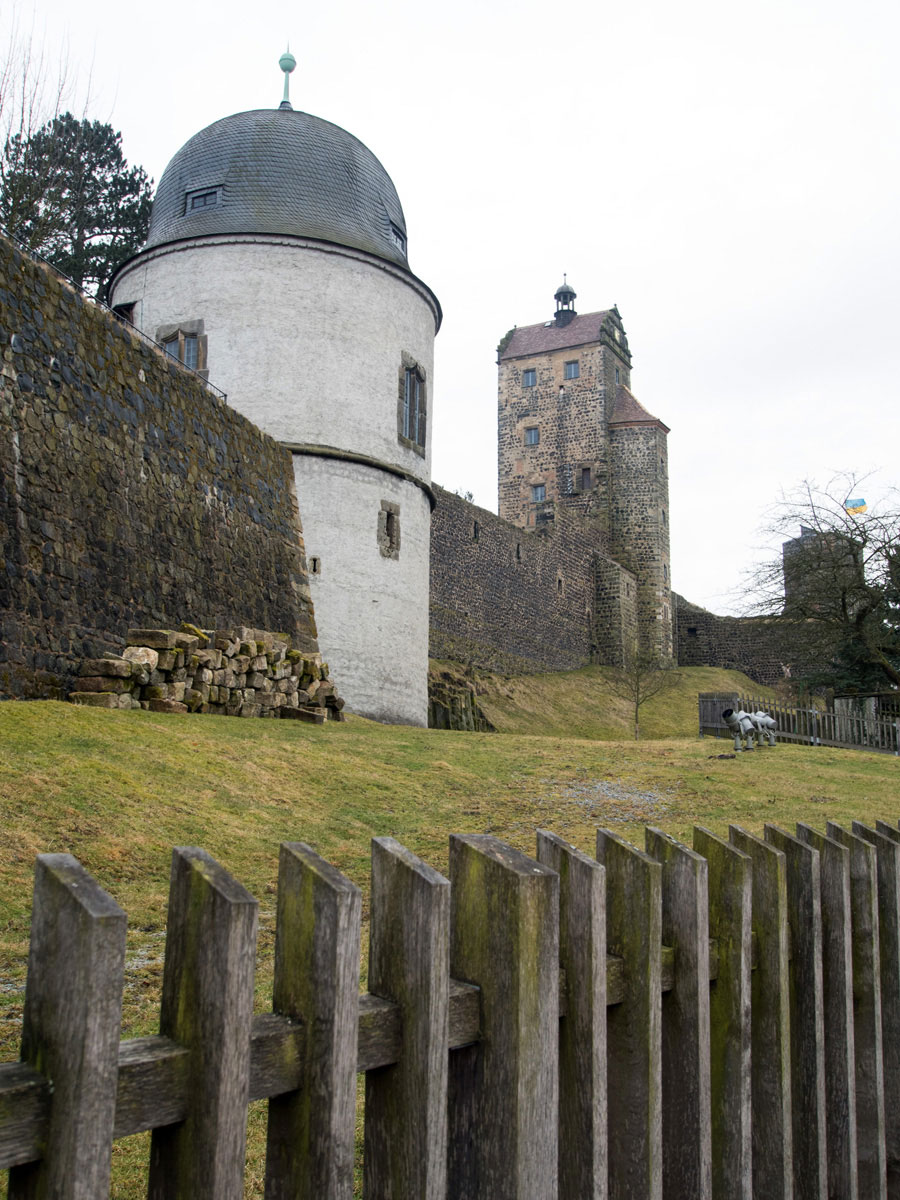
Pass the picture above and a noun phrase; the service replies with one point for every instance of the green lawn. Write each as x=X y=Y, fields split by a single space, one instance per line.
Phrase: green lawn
x=119 y=789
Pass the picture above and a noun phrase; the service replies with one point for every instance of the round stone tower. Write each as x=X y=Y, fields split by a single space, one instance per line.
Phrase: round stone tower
x=276 y=265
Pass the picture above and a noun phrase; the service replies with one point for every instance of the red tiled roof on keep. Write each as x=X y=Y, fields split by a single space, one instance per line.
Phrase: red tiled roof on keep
x=539 y=339
x=628 y=410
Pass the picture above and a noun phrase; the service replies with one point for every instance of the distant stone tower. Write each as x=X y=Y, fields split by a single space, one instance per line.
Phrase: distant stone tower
x=276 y=263
x=572 y=437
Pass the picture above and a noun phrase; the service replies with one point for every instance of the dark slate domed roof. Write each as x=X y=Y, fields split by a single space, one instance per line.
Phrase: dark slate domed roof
x=277 y=171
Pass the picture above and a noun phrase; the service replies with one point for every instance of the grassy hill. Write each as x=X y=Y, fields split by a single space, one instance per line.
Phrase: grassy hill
x=119 y=789
x=584 y=704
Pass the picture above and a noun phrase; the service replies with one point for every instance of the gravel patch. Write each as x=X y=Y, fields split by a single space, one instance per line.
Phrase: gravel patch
x=617 y=803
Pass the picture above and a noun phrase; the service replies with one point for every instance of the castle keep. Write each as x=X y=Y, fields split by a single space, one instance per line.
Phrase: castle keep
x=576 y=567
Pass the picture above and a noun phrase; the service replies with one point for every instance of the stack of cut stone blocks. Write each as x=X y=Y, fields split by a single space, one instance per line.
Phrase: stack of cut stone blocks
x=232 y=672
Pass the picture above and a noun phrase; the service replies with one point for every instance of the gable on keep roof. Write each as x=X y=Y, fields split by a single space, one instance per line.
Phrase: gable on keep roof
x=526 y=340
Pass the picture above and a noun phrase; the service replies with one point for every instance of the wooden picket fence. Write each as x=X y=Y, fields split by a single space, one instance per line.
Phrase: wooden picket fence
x=812 y=726
x=722 y=1021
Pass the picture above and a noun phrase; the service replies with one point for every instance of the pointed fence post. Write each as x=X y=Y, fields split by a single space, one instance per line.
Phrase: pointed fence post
x=70 y=1029
x=634 y=1026
x=687 y=1144
x=207 y=1004
x=310 y=1146
x=503 y=1090
x=773 y=1165
x=837 y=998
x=804 y=902
x=409 y=963
x=582 y=1031
x=867 y=1033
x=887 y=854
x=730 y=888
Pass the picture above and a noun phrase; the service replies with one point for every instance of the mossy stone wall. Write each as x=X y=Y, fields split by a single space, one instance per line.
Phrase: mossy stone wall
x=130 y=494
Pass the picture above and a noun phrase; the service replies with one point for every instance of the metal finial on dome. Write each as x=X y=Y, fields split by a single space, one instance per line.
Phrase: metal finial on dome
x=287 y=62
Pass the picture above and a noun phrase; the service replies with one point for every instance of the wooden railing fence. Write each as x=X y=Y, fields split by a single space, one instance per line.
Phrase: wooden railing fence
x=812 y=726
x=722 y=1021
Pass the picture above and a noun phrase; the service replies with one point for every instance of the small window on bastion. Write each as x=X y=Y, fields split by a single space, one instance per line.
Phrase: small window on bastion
x=572 y=370
x=186 y=343
x=532 y=436
x=529 y=377
x=388 y=534
x=538 y=493
x=476 y=529
x=411 y=406
x=315 y=566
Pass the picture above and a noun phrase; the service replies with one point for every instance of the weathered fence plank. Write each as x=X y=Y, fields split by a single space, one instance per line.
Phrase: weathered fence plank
x=730 y=898
x=804 y=907
x=582 y=1031
x=837 y=1000
x=70 y=1029
x=207 y=1003
x=634 y=1026
x=540 y=1102
x=310 y=1144
x=504 y=936
x=887 y=862
x=409 y=962
x=867 y=1033
x=687 y=1145
x=24 y=1113
x=773 y=1166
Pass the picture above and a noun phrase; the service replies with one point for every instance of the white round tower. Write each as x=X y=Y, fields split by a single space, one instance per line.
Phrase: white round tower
x=276 y=265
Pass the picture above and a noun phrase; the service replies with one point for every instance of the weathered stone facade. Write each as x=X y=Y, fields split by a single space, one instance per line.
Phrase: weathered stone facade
x=639 y=524
x=761 y=647
x=130 y=494
x=572 y=436
x=516 y=600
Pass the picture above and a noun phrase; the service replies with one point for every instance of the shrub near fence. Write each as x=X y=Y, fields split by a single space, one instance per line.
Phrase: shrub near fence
x=813 y=726
x=722 y=1021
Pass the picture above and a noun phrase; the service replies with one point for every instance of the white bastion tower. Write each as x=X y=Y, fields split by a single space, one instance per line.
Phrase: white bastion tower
x=276 y=265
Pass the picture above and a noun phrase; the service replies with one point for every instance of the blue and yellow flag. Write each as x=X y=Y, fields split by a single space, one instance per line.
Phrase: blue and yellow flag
x=855 y=506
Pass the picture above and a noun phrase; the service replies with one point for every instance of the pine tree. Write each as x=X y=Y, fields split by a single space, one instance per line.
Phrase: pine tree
x=67 y=192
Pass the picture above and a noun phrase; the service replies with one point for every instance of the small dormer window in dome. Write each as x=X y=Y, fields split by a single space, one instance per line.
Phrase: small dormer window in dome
x=398 y=237
x=565 y=303
x=202 y=199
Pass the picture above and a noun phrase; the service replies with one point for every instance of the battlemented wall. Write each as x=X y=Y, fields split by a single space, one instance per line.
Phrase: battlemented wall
x=507 y=599
x=129 y=494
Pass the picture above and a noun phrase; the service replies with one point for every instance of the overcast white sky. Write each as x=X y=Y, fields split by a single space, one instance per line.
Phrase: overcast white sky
x=729 y=175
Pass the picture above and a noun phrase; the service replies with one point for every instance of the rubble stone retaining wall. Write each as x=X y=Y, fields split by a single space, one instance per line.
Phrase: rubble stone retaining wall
x=130 y=493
